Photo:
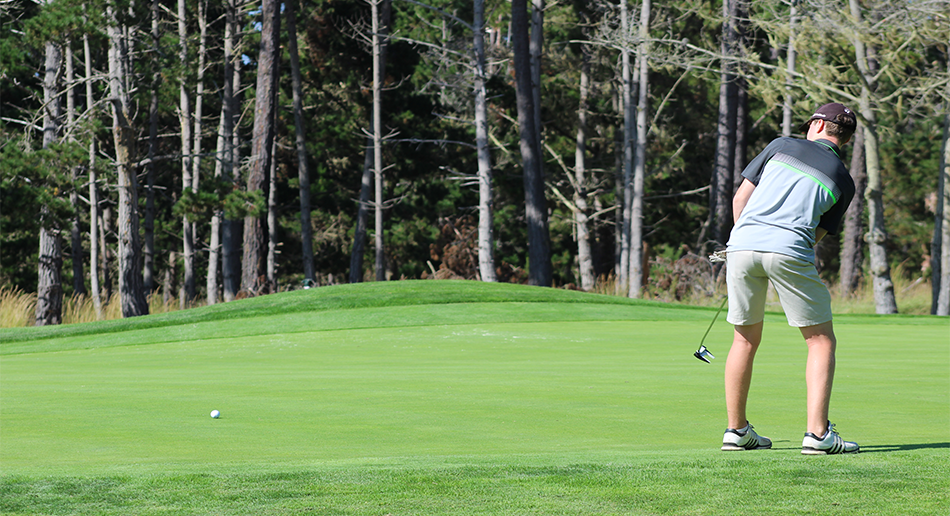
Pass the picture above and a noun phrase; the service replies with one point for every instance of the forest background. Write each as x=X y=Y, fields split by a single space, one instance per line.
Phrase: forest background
x=210 y=150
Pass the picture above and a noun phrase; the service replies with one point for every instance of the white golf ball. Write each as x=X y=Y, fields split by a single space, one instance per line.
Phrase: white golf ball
x=215 y=414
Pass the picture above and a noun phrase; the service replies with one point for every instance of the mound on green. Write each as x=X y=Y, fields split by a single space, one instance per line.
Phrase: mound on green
x=456 y=398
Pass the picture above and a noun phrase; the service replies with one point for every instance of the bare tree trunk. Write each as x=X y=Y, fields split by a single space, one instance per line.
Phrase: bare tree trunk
x=380 y=265
x=75 y=247
x=629 y=136
x=214 y=239
x=636 y=207
x=940 y=257
x=184 y=118
x=788 y=107
x=231 y=229
x=884 y=299
x=93 y=192
x=303 y=169
x=852 y=245
x=272 y=223
x=49 y=296
x=107 y=256
x=263 y=141
x=130 y=273
x=536 y=49
x=722 y=184
x=199 y=122
x=368 y=179
x=539 y=244
x=486 y=260
x=620 y=204
x=742 y=137
x=168 y=283
x=148 y=272
x=362 y=216
x=380 y=29
x=741 y=17
x=584 y=258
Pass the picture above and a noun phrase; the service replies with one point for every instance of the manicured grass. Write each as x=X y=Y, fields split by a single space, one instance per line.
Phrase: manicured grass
x=457 y=398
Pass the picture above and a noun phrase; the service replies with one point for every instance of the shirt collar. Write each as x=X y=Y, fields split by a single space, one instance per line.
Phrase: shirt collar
x=828 y=143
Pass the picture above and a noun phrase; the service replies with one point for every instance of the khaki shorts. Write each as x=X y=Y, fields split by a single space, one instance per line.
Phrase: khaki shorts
x=804 y=297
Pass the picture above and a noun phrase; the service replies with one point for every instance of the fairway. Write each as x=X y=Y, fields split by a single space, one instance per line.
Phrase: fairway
x=458 y=398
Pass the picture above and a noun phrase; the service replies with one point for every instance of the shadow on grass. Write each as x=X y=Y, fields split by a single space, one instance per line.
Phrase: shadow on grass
x=874 y=448
x=903 y=447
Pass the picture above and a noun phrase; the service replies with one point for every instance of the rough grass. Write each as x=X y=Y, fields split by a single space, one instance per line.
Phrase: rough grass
x=17 y=308
x=457 y=398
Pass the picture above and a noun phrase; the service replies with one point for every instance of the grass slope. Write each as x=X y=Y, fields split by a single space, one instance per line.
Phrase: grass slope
x=457 y=398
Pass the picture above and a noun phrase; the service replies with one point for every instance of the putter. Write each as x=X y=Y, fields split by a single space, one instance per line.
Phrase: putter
x=702 y=353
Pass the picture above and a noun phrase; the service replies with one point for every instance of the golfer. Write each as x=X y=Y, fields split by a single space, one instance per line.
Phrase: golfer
x=792 y=194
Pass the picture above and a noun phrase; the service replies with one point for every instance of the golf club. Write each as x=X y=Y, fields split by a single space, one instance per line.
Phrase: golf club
x=702 y=353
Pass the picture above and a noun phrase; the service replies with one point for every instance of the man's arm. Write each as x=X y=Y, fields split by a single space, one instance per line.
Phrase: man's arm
x=741 y=199
x=820 y=233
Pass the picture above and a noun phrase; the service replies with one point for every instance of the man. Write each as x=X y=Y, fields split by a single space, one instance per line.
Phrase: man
x=792 y=195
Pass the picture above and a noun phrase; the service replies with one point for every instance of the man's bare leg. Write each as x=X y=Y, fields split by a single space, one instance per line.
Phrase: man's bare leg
x=819 y=374
x=739 y=372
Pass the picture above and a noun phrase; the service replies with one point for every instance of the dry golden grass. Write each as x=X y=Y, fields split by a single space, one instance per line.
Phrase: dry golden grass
x=18 y=308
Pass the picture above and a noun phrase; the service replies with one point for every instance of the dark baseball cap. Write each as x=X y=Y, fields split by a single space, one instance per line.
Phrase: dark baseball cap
x=833 y=112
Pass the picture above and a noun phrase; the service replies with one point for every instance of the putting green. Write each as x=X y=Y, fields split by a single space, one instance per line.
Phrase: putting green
x=475 y=379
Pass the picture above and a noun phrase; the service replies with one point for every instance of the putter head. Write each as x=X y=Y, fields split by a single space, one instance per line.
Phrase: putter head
x=703 y=354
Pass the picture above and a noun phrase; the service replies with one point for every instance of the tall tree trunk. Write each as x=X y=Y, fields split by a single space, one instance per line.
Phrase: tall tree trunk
x=106 y=227
x=722 y=184
x=940 y=257
x=539 y=244
x=262 y=144
x=272 y=223
x=584 y=257
x=198 y=133
x=381 y=16
x=884 y=299
x=79 y=280
x=536 y=49
x=486 y=260
x=740 y=154
x=49 y=297
x=184 y=118
x=362 y=216
x=93 y=191
x=788 y=107
x=368 y=179
x=620 y=202
x=629 y=137
x=231 y=229
x=852 y=245
x=637 y=266
x=130 y=274
x=380 y=265
x=148 y=272
x=303 y=169
x=214 y=239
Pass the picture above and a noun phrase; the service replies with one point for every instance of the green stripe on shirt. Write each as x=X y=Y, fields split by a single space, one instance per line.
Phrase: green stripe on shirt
x=809 y=176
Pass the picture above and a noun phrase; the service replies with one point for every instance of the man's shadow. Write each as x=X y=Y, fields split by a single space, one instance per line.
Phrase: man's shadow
x=902 y=447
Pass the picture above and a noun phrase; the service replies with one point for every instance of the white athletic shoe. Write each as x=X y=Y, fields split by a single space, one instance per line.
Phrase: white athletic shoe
x=830 y=443
x=744 y=439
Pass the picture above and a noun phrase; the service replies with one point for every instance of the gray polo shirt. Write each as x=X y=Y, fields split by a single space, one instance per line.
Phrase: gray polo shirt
x=800 y=185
